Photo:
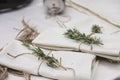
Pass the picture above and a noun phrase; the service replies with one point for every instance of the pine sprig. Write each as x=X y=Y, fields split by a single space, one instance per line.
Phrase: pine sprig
x=74 y=34
x=82 y=37
x=51 y=61
x=96 y=29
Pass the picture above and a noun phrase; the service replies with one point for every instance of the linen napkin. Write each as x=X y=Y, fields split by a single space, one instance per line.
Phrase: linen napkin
x=82 y=64
x=54 y=38
x=99 y=9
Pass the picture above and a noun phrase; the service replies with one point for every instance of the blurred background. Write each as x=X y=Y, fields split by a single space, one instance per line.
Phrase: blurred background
x=9 y=5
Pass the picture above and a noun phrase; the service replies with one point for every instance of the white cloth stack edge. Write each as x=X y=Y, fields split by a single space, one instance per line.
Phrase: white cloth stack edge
x=105 y=8
x=54 y=38
x=81 y=63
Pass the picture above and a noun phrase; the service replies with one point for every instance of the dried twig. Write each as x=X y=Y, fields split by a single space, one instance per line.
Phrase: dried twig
x=1 y=49
x=27 y=33
x=17 y=55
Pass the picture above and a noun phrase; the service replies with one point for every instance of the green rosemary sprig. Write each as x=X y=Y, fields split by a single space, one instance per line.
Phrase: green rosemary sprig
x=96 y=29
x=51 y=61
x=87 y=39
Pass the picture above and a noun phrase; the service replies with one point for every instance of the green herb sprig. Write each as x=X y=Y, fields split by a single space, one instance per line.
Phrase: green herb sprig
x=82 y=37
x=51 y=61
x=96 y=29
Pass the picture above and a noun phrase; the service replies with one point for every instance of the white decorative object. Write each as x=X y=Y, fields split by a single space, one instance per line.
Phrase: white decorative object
x=54 y=6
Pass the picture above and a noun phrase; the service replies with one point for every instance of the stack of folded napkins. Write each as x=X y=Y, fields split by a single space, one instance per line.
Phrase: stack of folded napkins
x=80 y=63
x=54 y=38
x=79 y=58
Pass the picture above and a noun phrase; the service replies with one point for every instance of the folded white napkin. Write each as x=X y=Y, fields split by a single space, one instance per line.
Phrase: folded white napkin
x=80 y=63
x=54 y=38
x=98 y=9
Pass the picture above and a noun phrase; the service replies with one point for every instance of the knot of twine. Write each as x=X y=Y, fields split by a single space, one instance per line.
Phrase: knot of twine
x=3 y=73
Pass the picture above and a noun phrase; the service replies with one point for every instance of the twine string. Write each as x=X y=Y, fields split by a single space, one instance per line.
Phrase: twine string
x=42 y=63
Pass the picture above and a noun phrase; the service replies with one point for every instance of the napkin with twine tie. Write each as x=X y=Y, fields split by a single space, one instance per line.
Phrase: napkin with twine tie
x=79 y=66
x=54 y=38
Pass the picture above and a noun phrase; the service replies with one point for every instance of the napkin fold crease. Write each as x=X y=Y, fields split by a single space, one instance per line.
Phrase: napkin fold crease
x=81 y=63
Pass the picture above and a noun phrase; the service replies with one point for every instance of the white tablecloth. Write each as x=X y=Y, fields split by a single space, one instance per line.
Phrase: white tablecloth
x=34 y=15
